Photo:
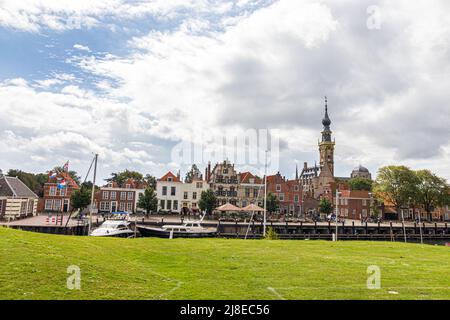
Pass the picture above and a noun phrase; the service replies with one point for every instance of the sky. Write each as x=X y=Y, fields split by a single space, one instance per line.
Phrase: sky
x=131 y=80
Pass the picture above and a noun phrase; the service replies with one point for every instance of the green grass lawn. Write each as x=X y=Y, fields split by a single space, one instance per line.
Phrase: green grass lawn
x=34 y=266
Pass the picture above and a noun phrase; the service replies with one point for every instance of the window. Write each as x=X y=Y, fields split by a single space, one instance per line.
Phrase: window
x=23 y=207
x=278 y=187
x=130 y=195
x=52 y=191
x=1 y=206
x=127 y=186
x=162 y=204
x=30 y=206
x=296 y=198
x=130 y=206
x=194 y=195
x=281 y=197
x=169 y=179
x=122 y=206
x=102 y=206
x=123 y=196
x=252 y=180
x=57 y=205
x=185 y=196
x=175 y=204
x=48 y=204
x=173 y=191
x=113 y=195
x=247 y=192
x=164 y=191
x=199 y=185
x=107 y=207
x=255 y=193
x=296 y=188
x=169 y=204
x=105 y=195
x=62 y=192
x=364 y=202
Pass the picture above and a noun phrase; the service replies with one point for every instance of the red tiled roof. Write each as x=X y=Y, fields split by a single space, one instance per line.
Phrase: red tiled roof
x=246 y=176
x=167 y=175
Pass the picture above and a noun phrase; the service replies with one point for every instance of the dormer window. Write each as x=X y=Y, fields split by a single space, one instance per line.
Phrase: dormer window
x=128 y=186
x=170 y=179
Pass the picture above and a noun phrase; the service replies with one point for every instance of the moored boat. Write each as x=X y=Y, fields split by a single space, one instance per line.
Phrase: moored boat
x=190 y=229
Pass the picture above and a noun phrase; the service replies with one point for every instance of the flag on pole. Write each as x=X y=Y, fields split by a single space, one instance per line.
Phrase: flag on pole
x=66 y=166
x=62 y=184
x=52 y=174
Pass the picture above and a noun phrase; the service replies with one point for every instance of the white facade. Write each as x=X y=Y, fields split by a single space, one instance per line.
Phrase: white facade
x=191 y=194
x=176 y=196
x=169 y=195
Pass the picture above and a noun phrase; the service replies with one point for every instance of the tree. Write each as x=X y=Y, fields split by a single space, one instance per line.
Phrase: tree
x=148 y=200
x=432 y=191
x=80 y=199
x=397 y=184
x=150 y=181
x=272 y=203
x=325 y=206
x=191 y=174
x=271 y=234
x=121 y=177
x=33 y=181
x=360 y=184
x=208 y=201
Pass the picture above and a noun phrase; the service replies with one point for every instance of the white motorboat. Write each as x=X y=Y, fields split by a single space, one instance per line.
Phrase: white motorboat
x=116 y=226
x=189 y=229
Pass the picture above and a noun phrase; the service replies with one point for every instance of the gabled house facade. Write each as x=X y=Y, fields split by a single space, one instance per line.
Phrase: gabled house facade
x=169 y=193
x=251 y=190
x=57 y=193
x=16 y=199
x=223 y=180
x=288 y=192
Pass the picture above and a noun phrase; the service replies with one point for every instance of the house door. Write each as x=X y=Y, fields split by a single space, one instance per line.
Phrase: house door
x=66 y=205
x=113 y=206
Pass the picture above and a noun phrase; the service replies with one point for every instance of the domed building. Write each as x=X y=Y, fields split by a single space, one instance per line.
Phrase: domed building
x=361 y=172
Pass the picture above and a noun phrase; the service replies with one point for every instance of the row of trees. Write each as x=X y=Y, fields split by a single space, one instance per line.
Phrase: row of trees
x=404 y=187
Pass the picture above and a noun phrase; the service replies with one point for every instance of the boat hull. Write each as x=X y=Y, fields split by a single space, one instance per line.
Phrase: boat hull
x=127 y=234
x=146 y=231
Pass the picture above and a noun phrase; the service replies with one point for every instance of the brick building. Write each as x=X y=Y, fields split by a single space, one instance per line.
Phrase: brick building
x=57 y=192
x=119 y=198
x=223 y=180
x=355 y=204
x=288 y=192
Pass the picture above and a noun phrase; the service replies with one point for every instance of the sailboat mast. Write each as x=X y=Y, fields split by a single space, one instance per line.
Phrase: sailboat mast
x=92 y=194
x=265 y=196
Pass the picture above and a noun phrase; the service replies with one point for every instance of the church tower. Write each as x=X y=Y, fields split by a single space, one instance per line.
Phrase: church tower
x=326 y=146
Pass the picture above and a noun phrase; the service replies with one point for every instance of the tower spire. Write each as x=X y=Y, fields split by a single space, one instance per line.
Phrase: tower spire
x=326 y=133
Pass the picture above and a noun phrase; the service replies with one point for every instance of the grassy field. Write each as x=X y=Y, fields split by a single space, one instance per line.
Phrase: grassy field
x=34 y=266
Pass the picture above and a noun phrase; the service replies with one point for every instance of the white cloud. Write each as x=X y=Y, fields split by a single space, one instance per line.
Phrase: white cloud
x=81 y=47
x=264 y=68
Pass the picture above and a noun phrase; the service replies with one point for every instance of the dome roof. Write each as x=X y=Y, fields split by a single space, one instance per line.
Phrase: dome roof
x=360 y=168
